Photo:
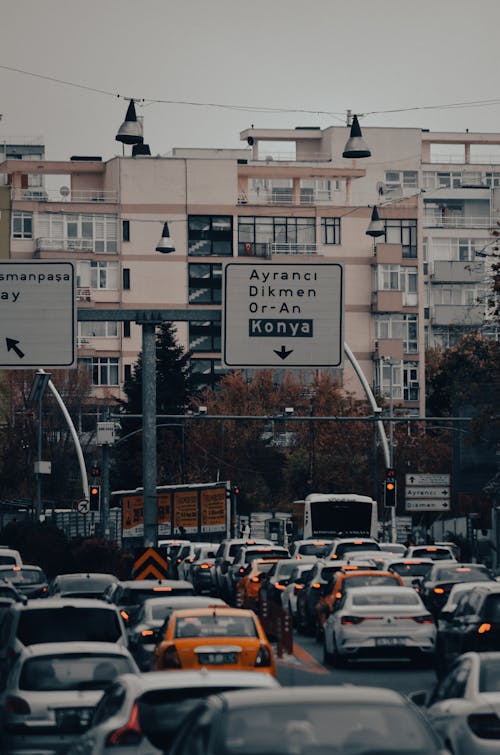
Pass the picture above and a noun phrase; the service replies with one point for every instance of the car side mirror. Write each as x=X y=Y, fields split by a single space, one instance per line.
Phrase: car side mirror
x=420 y=698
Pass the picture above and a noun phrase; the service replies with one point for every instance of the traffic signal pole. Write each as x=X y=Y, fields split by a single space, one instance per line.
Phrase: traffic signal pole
x=149 y=470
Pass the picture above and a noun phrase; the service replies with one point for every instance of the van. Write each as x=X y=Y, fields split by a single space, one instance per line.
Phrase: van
x=9 y=556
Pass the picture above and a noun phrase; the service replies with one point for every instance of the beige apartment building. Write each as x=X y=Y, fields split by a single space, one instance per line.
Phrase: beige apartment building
x=285 y=196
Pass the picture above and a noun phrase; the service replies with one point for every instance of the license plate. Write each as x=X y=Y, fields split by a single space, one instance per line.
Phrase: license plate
x=216 y=659
x=388 y=641
x=73 y=719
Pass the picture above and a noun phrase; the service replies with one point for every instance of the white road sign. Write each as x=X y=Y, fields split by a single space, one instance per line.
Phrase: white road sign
x=428 y=504
x=421 y=492
x=37 y=314
x=428 y=479
x=83 y=507
x=283 y=315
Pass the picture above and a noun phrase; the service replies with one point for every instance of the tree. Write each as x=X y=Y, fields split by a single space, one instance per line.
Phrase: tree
x=19 y=424
x=173 y=391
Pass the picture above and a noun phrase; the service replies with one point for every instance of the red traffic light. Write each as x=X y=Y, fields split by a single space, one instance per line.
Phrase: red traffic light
x=95 y=471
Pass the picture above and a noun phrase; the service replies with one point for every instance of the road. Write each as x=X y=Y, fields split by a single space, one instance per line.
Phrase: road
x=306 y=668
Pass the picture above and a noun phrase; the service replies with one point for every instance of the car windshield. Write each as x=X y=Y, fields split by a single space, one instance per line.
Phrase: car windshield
x=343 y=548
x=334 y=727
x=250 y=556
x=136 y=596
x=314 y=549
x=84 y=584
x=73 y=671
x=284 y=568
x=19 y=575
x=215 y=626
x=411 y=570
x=375 y=598
x=360 y=580
x=489 y=675
x=67 y=624
x=462 y=574
x=7 y=560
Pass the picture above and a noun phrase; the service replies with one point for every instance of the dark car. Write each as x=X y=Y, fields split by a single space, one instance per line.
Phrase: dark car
x=244 y=557
x=321 y=720
x=27 y=580
x=317 y=584
x=435 y=588
x=85 y=585
x=151 y=619
x=474 y=625
x=275 y=581
x=131 y=594
x=202 y=569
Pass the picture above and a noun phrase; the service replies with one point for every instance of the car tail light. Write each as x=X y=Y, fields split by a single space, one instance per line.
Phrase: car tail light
x=17 y=706
x=279 y=586
x=296 y=588
x=485 y=725
x=425 y=619
x=439 y=590
x=206 y=566
x=147 y=633
x=171 y=658
x=484 y=628
x=254 y=579
x=351 y=619
x=124 y=615
x=316 y=586
x=263 y=657
x=241 y=570
x=129 y=734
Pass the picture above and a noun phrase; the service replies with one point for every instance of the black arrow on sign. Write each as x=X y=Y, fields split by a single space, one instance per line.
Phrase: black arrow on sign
x=283 y=353
x=12 y=345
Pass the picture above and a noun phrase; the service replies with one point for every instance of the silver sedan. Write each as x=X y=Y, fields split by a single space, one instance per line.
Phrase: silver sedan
x=379 y=622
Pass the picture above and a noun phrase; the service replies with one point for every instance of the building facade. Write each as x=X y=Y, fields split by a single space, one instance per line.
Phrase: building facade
x=287 y=195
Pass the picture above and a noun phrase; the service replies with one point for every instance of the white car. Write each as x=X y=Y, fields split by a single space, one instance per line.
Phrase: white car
x=310 y=547
x=52 y=690
x=435 y=552
x=464 y=707
x=410 y=569
x=139 y=715
x=379 y=622
x=296 y=583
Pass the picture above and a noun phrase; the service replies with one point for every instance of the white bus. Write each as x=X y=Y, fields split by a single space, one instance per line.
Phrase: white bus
x=329 y=515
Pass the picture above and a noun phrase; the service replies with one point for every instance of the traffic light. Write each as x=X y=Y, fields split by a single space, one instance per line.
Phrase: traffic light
x=95 y=471
x=95 y=497
x=390 y=488
x=236 y=489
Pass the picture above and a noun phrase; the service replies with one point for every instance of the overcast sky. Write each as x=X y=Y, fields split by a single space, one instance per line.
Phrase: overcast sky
x=322 y=56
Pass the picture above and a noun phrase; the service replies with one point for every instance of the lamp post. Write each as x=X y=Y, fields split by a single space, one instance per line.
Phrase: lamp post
x=38 y=389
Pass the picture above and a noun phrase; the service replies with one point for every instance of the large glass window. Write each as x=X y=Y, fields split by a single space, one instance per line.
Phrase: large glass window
x=95 y=233
x=210 y=235
x=22 y=225
x=206 y=372
x=205 y=336
x=399 y=326
x=330 y=230
x=98 y=329
x=97 y=275
x=257 y=234
x=401 y=178
x=402 y=232
x=104 y=370
x=205 y=283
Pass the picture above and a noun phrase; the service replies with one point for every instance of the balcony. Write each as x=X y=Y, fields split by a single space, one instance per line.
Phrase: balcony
x=291 y=249
x=65 y=194
x=439 y=220
x=456 y=271
x=287 y=197
x=459 y=315
x=83 y=294
x=93 y=246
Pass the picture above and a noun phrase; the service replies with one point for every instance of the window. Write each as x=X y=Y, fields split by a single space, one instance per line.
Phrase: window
x=409 y=283
x=126 y=278
x=400 y=326
x=104 y=370
x=204 y=336
x=125 y=230
x=98 y=329
x=206 y=372
x=205 y=283
x=330 y=230
x=22 y=225
x=404 y=178
x=210 y=235
x=256 y=234
x=410 y=382
x=402 y=232
x=387 y=278
x=126 y=329
x=97 y=275
x=94 y=233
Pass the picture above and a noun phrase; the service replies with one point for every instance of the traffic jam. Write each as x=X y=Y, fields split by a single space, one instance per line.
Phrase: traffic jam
x=247 y=647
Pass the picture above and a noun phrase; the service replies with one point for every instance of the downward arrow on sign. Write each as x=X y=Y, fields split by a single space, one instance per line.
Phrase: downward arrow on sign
x=283 y=353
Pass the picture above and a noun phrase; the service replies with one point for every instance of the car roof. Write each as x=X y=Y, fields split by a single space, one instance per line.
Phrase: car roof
x=193 y=678
x=215 y=611
x=189 y=600
x=142 y=583
x=411 y=560
x=389 y=589
x=367 y=573
x=56 y=602
x=69 y=648
x=343 y=693
x=19 y=567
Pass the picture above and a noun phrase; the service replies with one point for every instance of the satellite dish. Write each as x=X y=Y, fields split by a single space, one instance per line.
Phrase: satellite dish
x=250 y=140
x=64 y=191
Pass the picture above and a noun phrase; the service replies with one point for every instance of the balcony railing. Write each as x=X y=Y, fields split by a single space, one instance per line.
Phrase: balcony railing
x=279 y=248
x=83 y=293
x=438 y=220
x=96 y=246
x=287 y=197
x=64 y=194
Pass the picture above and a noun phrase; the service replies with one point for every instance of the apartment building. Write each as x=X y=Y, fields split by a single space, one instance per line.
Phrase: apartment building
x=285 y=196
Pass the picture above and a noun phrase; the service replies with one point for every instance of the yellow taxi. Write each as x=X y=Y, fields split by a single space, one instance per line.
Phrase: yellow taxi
x=215 y=637
x=248 y=586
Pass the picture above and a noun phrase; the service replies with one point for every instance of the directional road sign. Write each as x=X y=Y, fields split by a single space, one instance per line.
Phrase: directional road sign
x=37 y=314
x=428 y=505
x=283 y=315
x=421 y=492
x=427 y=479
x=427 y=492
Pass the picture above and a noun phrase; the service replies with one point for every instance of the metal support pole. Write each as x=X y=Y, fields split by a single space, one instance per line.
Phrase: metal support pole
x=149 y=434
x=38 y=499
x=105 y=491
